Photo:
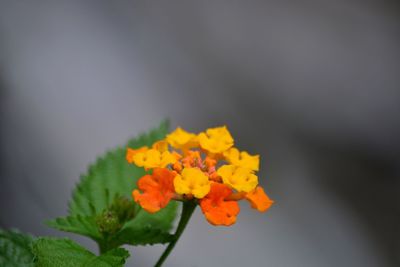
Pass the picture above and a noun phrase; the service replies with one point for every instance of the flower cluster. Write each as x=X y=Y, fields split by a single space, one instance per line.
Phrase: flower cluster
x=205 y=168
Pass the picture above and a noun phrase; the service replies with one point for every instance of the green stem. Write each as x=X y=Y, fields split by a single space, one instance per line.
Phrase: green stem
x=103 y=247
x=187 y=211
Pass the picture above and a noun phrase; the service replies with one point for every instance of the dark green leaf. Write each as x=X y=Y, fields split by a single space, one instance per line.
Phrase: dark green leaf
x=141 y=236
x=145 y=229
x=110 y=176
x=84 y=225
x=92 y=208
x=52 y=252
x=15 y=249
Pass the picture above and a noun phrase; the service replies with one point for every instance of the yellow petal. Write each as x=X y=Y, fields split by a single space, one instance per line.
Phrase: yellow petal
x=216 y=140
x=242 y=159
x=192 y=181
x=161 y=146
x=241 y=179
x=153 y=158
x=181 y=139
x=130 y=153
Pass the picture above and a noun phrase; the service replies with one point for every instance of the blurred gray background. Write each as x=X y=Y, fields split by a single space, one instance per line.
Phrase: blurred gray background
x=312 y=86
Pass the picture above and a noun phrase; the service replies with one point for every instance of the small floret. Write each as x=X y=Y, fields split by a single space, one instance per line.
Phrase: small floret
x=130 y=153
x=241 y=179
x=192 y=181
x=259 y=200
x=151 y=158
x=158 y=189
x=216 y=208
x=216 y=140
x=242 y=159
x=161 y=146
x=181 y=139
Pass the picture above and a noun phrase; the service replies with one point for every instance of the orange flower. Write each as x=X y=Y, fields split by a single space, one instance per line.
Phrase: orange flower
x=259 y=200
x=217 y=209
x=158 y=189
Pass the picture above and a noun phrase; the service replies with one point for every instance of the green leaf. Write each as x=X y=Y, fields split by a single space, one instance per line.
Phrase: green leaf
x=93 y=210
x=141 y=236
x=15 y=249
x=145 y=229
x=111 y=175
x=84 y=225
x=52 y=252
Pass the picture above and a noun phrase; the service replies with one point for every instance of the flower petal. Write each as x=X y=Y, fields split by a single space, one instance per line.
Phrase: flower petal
x=150 y=158
x=242 y=159
x=181 y=139
x=241 y=179
x=130 y=153
x=161 y=146
x=158 y=189
x=192 y=181
x=216 y=140
x=218 y=210
x=259 y=199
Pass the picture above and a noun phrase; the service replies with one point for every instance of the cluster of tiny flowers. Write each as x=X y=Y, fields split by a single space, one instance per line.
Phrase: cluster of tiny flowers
x=205 y=168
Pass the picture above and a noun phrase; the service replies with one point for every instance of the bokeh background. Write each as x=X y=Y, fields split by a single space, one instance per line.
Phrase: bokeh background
x=312 y=86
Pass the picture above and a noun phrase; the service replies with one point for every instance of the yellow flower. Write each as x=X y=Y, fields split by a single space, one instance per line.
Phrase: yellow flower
x=153 y=158
x=180 y=139
x=192 y=181
x=241 y=179
x=242 y=159
x=216 y=140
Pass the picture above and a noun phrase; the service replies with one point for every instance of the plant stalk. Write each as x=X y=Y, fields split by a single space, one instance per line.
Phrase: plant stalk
x=103 y=247
x=187 y=211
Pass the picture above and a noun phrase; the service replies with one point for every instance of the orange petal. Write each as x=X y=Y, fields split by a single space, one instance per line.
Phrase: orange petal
x=259 y=200
x=158 y=189
x=218 y=210
x=146 y=201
